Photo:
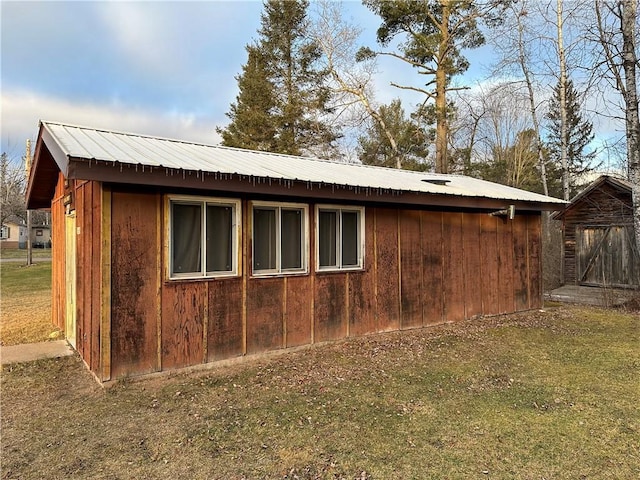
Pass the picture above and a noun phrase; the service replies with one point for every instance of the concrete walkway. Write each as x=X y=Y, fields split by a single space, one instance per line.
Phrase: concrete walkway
x=28 y=352
x=607 y=297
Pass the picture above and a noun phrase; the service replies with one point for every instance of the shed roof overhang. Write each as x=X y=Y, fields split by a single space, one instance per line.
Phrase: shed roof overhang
x=617 y=183
x=129 y=159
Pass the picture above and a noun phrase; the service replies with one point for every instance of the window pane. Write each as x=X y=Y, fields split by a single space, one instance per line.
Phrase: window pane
x=350 y=239
x=291 y=238
x=327 y=238
x=219 y=238
x=264 y=239
x=186 y=237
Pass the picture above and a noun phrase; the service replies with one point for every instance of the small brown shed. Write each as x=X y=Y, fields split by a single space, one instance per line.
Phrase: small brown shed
x=169 y=254
x=598 y=241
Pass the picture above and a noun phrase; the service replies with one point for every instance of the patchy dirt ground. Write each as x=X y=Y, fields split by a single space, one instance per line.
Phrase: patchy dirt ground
x=549 y=394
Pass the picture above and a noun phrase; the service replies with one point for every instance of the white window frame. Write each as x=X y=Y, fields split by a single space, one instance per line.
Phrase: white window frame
x=5 y=232
x=236 y=235
x=279 y=271
x=361 y=237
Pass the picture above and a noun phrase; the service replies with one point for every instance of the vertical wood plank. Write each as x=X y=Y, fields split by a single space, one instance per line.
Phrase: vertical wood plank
x=133 y=283
x=361 y=314
x=105 y=285
x=520 y=265
x=298 y=296
x=411 y=269
x=472 y=265
x=225 y=328
x=432 y=303
x=159 y=276
x=387 y=277
x=505 y=265
x=81 y=269
x=182 y=324
x=246 y=266
x=534 y=240
x=264 y=314
x=489 y=266
x=453 y=264
x=330 y=307
x=96 y=280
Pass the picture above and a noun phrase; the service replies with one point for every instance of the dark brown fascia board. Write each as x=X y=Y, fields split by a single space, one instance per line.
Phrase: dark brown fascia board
x=119 y=173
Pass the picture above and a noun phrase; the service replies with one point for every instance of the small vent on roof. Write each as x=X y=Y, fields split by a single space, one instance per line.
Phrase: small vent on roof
x=436 y=181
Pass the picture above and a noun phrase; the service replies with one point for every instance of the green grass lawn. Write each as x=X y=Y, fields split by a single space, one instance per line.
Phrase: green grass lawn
x=550 y=395
x=19 y=253
x=25 y=303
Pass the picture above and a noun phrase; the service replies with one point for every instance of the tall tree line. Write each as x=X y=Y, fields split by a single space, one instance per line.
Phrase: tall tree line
x=308 y=83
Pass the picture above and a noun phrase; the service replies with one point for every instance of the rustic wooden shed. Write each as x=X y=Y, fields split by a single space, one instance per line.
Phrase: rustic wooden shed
x=598 y=241
x=169 y=254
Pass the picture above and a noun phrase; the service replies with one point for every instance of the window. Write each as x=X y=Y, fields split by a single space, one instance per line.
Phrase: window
x=339 y=237
x=5 y=232
x=279 y=238
x=204 y=237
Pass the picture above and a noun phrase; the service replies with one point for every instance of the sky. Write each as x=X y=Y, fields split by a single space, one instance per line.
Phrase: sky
x=158 y=68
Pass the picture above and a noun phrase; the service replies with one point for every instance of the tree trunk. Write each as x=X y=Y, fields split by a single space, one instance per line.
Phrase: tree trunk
x=629 y=62
x=442 y=130
x=532 y=107
x=563 y=105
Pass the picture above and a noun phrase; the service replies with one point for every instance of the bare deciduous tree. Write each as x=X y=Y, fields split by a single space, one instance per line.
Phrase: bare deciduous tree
x=617 y=34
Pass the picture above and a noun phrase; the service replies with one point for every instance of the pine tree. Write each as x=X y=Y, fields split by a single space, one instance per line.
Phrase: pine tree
x=579 y=135
x=411 y=141
x=431 y=35
x=284 y=67
x=252 y=123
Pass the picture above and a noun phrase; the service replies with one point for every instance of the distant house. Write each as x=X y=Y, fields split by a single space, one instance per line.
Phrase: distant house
x=598 y=241
x=41 y=236
x=169 y=254
x=13 y=233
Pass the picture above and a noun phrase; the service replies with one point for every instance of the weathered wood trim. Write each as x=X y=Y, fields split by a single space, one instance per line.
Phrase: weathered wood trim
x=205 y=325
x=399 y=260
x=159 y=277
x=284 y=312
x=105 y=287
x=347 y=306
x=246 y=233
x=375 y=269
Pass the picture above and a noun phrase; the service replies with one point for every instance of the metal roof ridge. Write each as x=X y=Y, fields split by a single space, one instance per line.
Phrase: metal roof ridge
x=246 y=150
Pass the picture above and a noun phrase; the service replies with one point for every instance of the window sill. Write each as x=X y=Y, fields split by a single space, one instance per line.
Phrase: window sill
x=279 y=274
x=340 y=270
x=201 y=279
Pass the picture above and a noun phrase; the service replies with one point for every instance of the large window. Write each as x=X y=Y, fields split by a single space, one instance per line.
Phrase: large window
x=204 y=237
x=279 y=238
x=339 y=237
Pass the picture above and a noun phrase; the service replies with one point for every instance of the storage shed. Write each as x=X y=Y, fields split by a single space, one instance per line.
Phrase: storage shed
x=169 y=254
x=598 y=240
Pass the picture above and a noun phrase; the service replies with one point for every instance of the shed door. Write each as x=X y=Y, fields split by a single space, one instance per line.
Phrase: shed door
x=606 y=256
x=70 y=278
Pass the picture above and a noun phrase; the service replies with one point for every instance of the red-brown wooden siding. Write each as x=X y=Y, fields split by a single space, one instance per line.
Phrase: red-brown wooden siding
x=602 y=207
x=421 y=268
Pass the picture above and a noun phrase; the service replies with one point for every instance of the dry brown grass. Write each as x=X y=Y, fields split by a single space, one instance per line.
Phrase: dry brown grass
x=25 y=303
x=548 y=394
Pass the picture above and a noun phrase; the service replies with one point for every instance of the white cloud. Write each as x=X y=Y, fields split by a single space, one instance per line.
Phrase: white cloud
x=22 y=110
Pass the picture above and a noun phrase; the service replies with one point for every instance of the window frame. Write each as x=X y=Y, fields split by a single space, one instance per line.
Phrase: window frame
x=236 y=236
x=360 y=210
x=304 y=240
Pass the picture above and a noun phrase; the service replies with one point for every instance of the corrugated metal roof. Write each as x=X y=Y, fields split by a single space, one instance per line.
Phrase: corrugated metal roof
x=128 y=148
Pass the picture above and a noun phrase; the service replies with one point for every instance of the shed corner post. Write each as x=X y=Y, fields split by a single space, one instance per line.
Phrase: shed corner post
x=105 y=285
